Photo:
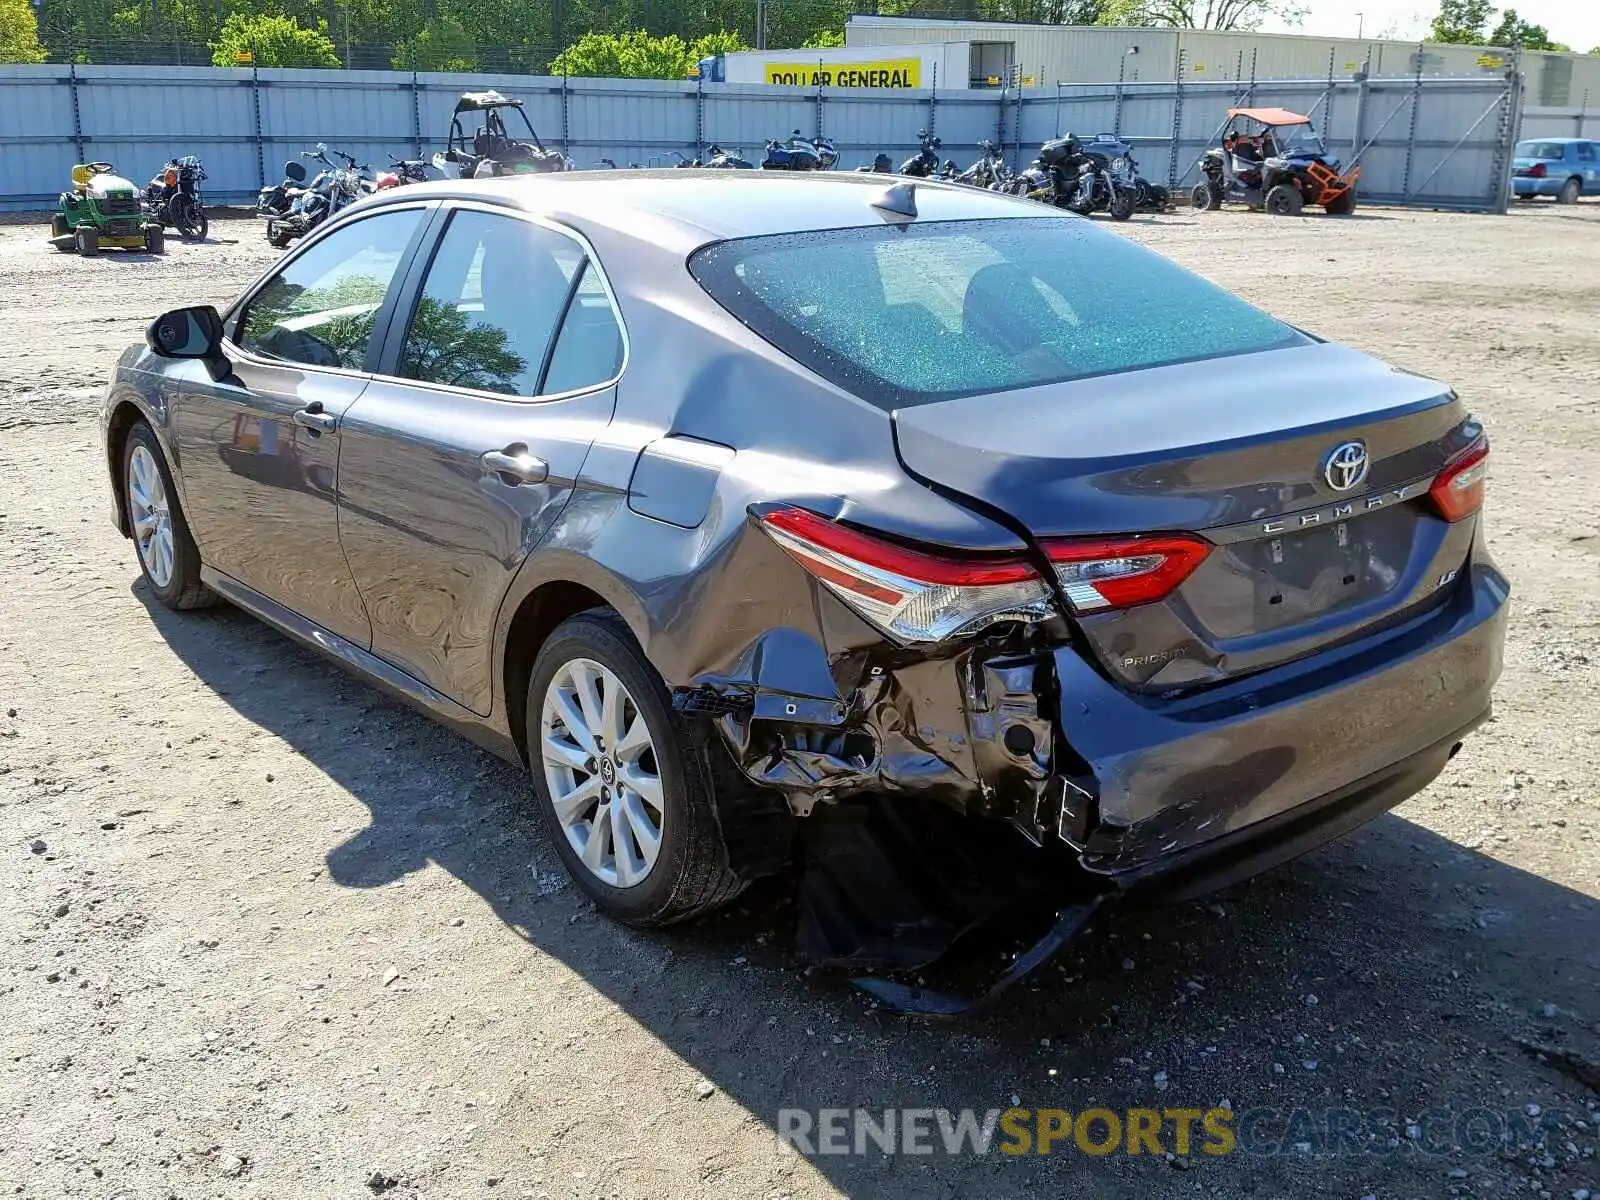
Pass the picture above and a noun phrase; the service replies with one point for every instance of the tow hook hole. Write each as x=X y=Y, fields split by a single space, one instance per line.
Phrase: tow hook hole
x=1019 y=740
x=1278 y=599
x=1349 y=579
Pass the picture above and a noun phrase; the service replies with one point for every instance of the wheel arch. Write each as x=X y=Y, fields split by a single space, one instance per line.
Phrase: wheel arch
x=562 y=588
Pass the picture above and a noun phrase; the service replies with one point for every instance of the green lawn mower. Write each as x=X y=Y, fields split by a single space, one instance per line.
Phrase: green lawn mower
x=102 y=209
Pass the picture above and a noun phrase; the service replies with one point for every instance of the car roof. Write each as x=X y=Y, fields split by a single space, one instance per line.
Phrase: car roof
x=1560 y=141
x=692 y=207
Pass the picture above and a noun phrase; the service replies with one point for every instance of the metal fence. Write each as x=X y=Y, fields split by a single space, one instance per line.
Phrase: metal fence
x=1418 y=140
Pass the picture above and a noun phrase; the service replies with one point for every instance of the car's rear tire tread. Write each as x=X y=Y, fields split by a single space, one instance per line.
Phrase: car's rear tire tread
x=733 y=831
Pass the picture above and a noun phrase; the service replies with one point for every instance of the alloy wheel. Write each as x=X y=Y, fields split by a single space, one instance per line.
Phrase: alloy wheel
x=151 y=513
x=600 y=765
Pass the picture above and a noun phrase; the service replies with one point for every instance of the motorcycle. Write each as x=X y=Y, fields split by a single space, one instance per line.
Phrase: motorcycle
x=401 y=172
x=293 y=211
x=989 y=172
x=799 y=153
x=924 y=164
x=173 y=198
x=1068 y=175
x=1148 y=196
x=718 y=159
x=881 y=165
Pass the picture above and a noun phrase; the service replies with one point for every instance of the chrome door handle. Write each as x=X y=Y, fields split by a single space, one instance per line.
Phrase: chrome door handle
x=516 y=466
x=312 y=417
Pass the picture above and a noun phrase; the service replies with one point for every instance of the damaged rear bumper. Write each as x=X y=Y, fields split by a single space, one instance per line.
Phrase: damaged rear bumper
x=1231 y=779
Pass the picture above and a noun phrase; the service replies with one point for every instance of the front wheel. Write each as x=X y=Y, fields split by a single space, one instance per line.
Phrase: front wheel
x=1285 y=200
x=168 y=557
x=1343 y=204
x=1123 y=202
x=276 y=237
x=1206 y=197
x=625 y=788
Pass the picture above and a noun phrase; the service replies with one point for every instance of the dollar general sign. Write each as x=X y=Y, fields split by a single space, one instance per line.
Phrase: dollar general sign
x=893 y=73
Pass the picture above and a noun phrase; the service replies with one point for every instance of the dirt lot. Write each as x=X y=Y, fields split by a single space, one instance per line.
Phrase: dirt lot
x=268 y=934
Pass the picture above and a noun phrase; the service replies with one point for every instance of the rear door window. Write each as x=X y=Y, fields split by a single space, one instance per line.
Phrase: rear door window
x=909 y=314
x=1586 y=152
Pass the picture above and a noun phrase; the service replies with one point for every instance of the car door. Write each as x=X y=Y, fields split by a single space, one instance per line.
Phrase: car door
x=500 y=368
x=259 y=449
x=1589 y=165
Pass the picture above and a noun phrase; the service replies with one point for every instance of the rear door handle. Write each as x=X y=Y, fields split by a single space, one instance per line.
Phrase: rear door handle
x=516 y=466
x=312 y=417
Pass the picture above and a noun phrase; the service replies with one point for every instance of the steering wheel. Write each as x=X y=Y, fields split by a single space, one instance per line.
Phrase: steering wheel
x=100 y=168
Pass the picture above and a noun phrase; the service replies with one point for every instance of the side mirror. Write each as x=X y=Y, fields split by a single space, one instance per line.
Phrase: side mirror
x=190 y=333
x=322 y=147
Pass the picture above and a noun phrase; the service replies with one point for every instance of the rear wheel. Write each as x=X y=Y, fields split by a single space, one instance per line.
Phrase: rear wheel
x=155 y=241
x=1342 y=205
x=1570 y=191
x=61 y=234
x=1206 y=197
x=626 y=789
x=87 y=241
x=1284 y=200
x=189 y=218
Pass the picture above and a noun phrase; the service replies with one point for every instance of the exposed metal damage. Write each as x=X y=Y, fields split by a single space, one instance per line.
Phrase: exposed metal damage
x=887 y=754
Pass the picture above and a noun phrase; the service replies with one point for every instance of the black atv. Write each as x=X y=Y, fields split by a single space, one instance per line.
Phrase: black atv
x=493 y=149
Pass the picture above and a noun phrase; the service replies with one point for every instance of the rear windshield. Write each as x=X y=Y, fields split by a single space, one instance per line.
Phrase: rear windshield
x=1541 y=150
x=914 y=313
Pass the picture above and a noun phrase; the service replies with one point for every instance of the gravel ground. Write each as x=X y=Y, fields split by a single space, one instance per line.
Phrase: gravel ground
x=269 y=934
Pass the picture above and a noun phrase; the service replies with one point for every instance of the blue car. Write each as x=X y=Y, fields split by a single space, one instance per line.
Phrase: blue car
x=1565 y=168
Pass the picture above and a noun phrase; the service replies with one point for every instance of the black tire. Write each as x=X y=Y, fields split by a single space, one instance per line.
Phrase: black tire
x=155 y=240
x=693 y=872
x=184 y=589
x=1342 y=205
x=1123 y=202
x=1570 y=191
x=1285 y=200
x=189 y=219
x=86 y=240
x=275 y=239
x=61 y=235
x=1206 y=197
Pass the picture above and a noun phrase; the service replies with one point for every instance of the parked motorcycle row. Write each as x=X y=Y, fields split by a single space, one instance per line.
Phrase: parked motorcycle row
x=1098 y=175
x=296 y=206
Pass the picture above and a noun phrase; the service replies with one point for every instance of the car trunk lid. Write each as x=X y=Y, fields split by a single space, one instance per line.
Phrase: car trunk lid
x=1236 y=450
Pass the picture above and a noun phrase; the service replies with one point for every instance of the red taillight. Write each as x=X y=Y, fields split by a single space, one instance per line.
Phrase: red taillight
x=171 y=178
x=1458 y=490
x=1103 y=573
x=1536 y=171
x=911 y=594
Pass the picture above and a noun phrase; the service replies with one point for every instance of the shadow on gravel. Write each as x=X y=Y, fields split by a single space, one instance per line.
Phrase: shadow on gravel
x=1393 y=971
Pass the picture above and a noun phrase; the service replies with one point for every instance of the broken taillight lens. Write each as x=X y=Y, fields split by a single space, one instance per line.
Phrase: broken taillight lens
x=1103 y=573
x=913 y=595
x=1536 y=171
x=1458 y=491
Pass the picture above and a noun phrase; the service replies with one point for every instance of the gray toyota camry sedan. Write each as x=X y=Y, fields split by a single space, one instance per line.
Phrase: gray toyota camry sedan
x=733 y=504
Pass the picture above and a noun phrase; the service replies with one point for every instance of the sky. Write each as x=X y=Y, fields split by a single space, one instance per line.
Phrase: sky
x=1575 y=22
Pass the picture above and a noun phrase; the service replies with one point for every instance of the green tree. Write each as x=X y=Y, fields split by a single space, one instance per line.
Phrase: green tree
x=638 y=55
x=1514 y=31
x=19 y=33
x=441 y=45
x=1200 y=14
x=824 y=39
x=444 y=345
x=272 y=41
x=1462 y=22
